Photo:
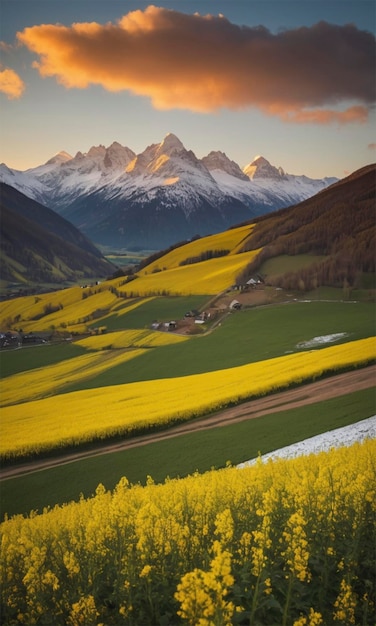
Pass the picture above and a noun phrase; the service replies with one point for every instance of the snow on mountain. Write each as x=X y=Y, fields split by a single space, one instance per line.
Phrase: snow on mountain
x=24 y=182
x=63 y=178
x=217 y=161
x=261 y=168
x=61 y=157
x=111 y=192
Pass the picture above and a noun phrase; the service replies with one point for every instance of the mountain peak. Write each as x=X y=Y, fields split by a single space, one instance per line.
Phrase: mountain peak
x=118 y=156
x=97 y=151
x=170 y=144
x=60 y=157
x=217 y=160
x=261 y=168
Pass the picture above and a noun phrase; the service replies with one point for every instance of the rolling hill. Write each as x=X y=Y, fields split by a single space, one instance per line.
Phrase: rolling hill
x=336 y=227
x=38 y=246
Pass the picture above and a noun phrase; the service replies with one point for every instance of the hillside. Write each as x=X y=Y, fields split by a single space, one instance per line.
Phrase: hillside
x=328 y=240
x=38 y=246
x=336 y=227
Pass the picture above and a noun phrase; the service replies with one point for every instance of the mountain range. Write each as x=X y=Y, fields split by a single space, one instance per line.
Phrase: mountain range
x=163 y=195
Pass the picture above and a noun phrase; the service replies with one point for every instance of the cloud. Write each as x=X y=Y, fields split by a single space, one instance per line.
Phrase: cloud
x=321 y=74
x=371 y=146
x=11 y=84
x=5 y=47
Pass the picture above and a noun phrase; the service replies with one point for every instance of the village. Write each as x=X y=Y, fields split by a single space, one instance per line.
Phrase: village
x=238 y=296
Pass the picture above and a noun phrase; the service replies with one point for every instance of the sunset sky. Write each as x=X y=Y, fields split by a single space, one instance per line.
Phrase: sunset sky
x=291 y=80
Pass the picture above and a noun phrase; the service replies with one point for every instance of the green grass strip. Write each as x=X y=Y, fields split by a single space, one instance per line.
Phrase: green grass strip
x=244 y=337
x=183 y=455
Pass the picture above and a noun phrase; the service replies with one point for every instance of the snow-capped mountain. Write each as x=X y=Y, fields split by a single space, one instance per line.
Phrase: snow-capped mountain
x=158 y=197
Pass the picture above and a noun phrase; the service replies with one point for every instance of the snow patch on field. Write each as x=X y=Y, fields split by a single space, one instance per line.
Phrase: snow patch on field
x=365 y=429
x=317 y=341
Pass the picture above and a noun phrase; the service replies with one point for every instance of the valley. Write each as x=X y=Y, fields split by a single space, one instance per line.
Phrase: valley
x=184 y=364
x=187 y=313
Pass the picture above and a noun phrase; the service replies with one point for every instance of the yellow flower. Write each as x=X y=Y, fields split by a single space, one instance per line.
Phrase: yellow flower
x=268 y=586
x=345 y=604
x=145 y=571
x=313 y=619
x=83 y=612
x=224 y=525
x=296 y=552
x=202 y=594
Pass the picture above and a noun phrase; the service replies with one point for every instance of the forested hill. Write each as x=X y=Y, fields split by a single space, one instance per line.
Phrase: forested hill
x=38 y=246
x=338 y=224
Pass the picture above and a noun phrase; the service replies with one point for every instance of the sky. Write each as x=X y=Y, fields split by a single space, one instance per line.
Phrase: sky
x=291 y=80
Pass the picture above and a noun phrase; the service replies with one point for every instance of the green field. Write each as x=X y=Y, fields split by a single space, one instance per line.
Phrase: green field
x=183 y=455
x=16 y=361
x=288 y=263
x=160 y=309
x=244 y=337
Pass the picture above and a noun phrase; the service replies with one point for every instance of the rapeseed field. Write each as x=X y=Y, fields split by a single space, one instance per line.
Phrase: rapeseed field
x=131 y=338
x=227 y=240
x=49 y=381
x=288 y=542
x=77 y=417
x=74 y=309
x=206 y=277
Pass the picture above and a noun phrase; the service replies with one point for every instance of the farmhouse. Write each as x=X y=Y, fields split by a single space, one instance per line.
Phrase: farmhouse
x=251 y=283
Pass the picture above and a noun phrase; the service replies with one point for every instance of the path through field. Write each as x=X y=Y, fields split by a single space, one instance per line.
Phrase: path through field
x=331 y=387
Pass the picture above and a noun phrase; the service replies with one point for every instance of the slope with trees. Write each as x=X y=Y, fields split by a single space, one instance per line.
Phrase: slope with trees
x=337 y=224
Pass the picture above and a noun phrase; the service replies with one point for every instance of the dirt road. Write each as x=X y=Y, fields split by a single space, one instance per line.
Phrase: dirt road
x=306 y=394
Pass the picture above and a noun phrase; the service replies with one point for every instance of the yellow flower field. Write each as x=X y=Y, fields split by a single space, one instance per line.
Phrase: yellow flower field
x=125 y=306
x=227 y=240
x=128 y=338
x=31 y=306
x=84 y=415
x=48 y=381
x=72 y=308
x=207 y=277
x=289 y=542
x=42 y=382
x=70 y=303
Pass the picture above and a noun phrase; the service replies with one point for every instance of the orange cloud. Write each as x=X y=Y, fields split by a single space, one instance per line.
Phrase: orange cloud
x=204 y=63
x=11 y=84
x=371 y=146
x=324 y=116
